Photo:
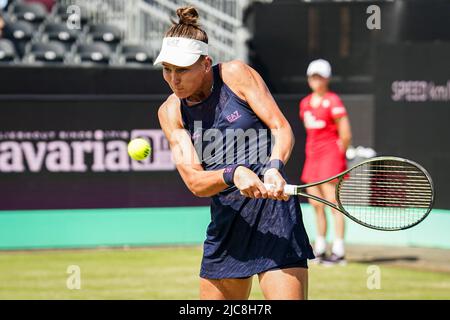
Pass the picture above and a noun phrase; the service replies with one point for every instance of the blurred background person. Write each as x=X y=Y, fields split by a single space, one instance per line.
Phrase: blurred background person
x=328 y=135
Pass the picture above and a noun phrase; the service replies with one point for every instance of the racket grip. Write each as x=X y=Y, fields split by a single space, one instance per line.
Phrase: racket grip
x=289 y=189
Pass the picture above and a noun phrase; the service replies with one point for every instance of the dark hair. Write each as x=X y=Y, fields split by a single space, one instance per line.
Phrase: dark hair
x=187 y=25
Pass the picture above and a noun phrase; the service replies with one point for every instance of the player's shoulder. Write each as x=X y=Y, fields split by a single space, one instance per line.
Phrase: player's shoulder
x=170 y=109
x=234 y=69
x=234 y=66
x=170 y=104
x=236 y=75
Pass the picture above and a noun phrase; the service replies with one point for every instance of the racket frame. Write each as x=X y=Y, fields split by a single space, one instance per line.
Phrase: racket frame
x=340 y=177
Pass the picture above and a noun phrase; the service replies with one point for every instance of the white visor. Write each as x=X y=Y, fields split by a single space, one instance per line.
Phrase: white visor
x=181 y=52
x=320 y=67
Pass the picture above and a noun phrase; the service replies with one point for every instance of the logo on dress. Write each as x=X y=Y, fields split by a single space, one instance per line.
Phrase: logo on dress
x=311 y=122
x=233 y=116
x=326 y=103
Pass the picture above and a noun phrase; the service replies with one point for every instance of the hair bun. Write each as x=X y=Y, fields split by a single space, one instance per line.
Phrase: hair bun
x=188 y=15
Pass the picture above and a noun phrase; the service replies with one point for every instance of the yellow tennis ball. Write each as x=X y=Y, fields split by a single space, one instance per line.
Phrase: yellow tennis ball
x=139 y=149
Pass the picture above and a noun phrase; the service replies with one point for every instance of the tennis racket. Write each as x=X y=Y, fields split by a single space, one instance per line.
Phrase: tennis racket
x=383 y=193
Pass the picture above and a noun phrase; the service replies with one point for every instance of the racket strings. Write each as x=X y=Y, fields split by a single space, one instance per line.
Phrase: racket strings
x=386 y=194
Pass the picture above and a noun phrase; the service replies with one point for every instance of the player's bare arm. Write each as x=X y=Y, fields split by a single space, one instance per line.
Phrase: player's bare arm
x=200 y=182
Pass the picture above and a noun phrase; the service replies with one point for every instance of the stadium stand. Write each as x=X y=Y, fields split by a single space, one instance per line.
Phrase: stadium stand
x=7 y=51
x=34 y=12
x=136 y=54
x=49 y=4
x=108 y=32
x=110 y=35
x=48 y=52
x=93 y=53
x=62 y=13
x=58 y=31
x=20 y=33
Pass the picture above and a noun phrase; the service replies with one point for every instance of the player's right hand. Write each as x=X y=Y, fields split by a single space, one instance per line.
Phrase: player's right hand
x=249 y=183
x=274 y=178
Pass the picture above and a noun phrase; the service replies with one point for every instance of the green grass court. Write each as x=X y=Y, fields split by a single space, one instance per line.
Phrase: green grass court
x=172 y=273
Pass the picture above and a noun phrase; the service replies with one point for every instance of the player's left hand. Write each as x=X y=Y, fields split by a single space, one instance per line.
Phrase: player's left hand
x=273 y=176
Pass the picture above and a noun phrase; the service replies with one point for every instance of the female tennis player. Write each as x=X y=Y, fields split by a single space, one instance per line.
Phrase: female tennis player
x=328 y=135
x=253 y=231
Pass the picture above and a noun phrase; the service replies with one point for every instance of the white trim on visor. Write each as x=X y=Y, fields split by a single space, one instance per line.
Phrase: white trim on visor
x=181 y=52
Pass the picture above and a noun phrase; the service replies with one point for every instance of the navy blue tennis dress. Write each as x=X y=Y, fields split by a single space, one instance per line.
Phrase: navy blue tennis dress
x=245 y=236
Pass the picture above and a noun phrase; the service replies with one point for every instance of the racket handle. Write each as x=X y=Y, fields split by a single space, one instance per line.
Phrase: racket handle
x=289 y=189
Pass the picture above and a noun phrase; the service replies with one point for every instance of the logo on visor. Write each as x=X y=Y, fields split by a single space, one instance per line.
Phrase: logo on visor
x=173 y=42
x=194 y=46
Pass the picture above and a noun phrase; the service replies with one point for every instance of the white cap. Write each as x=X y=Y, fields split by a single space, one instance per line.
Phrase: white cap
x=320 y=67
x=181 y=52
